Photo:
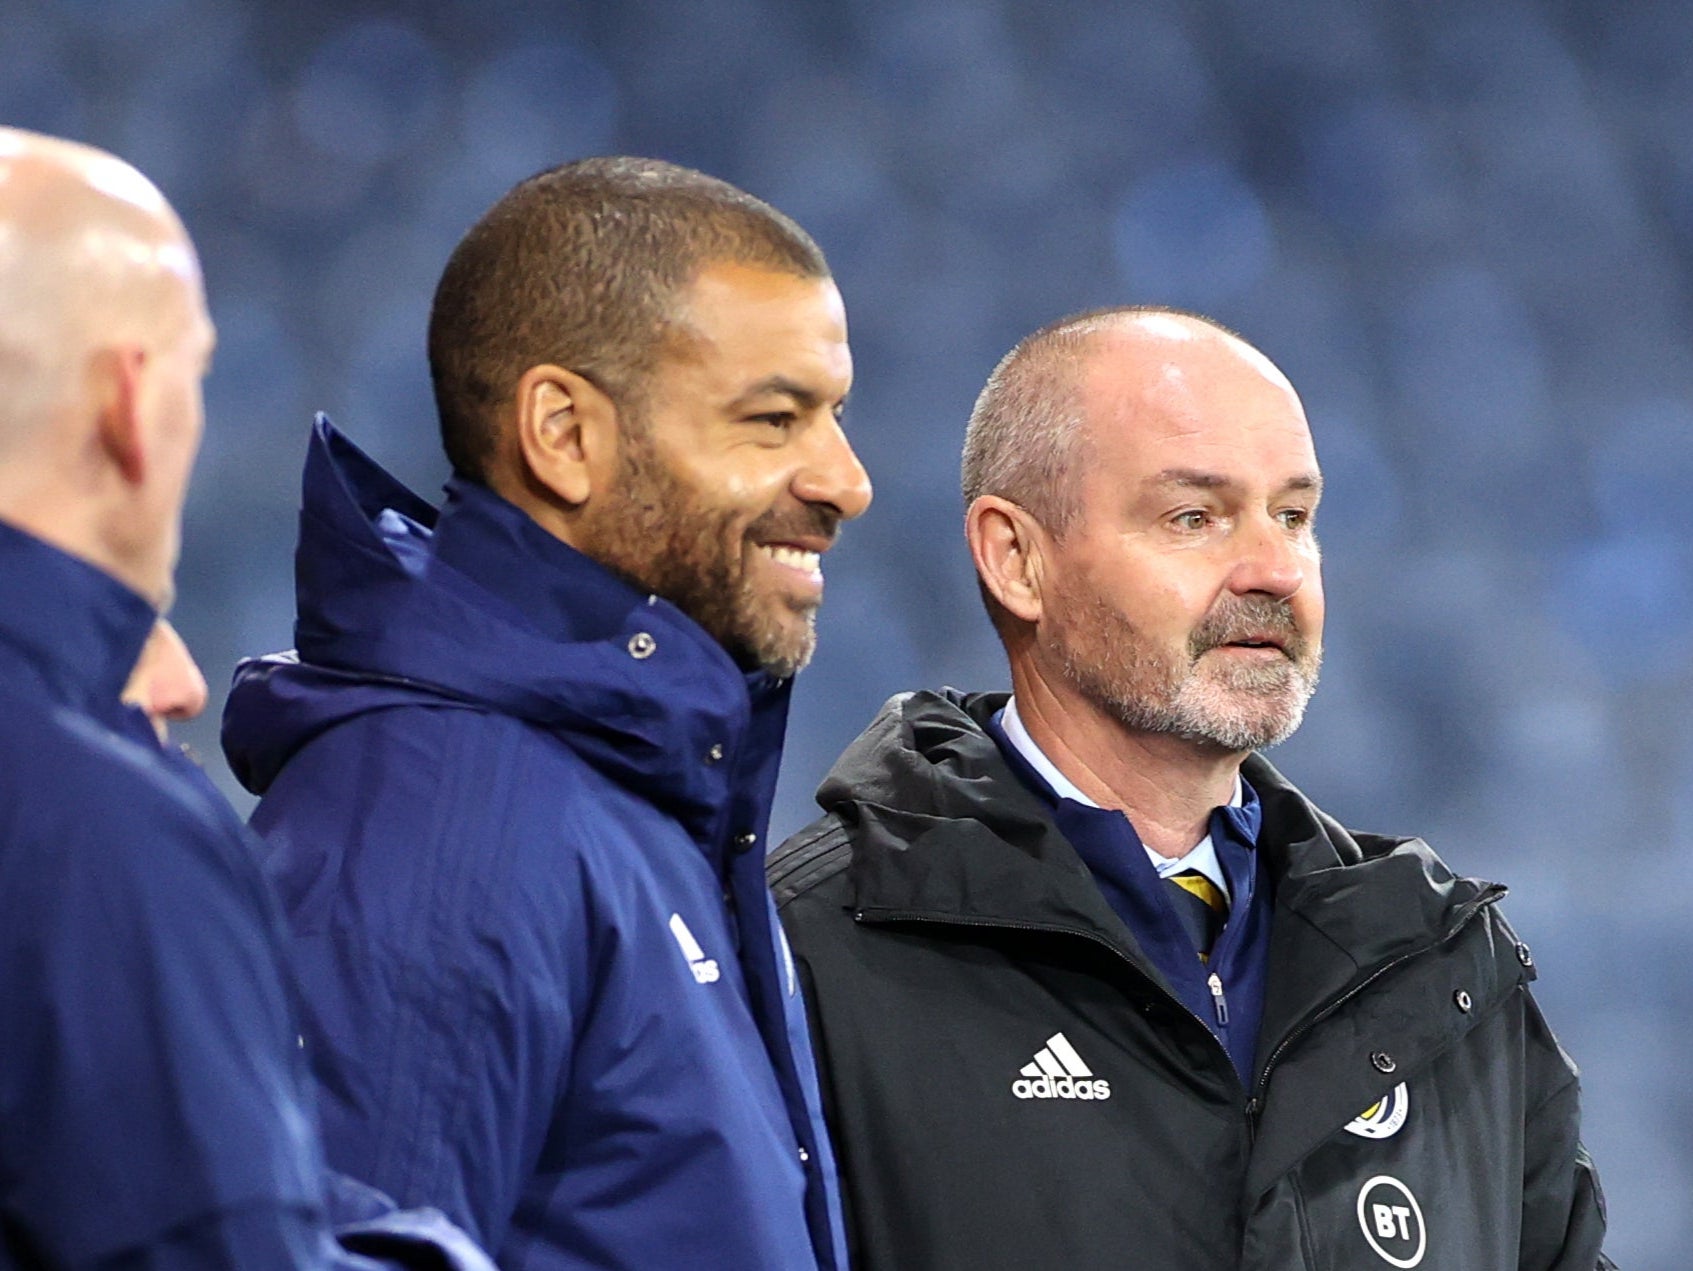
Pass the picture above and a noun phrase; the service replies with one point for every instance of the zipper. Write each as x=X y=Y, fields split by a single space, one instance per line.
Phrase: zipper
x=1219 y=1003
x=1255 y=1104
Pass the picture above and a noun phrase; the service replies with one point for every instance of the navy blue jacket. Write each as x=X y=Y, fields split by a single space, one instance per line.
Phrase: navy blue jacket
x=517 y=811
x=154 y=1110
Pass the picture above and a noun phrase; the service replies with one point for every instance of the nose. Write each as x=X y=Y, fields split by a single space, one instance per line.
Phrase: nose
x=832 y=474
x=167 y=683
x=180 y=686
x=1272 y=560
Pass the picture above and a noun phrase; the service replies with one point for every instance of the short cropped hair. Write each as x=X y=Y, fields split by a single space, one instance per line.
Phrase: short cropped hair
x=581 y=266
x=1027 y=437
x=1026 y=432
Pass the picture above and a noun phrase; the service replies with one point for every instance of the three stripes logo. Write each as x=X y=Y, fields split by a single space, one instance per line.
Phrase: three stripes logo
x=1059 y=1073
x=705 y=969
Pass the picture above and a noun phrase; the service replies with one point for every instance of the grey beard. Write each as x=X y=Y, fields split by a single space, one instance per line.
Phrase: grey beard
x=1247 y=708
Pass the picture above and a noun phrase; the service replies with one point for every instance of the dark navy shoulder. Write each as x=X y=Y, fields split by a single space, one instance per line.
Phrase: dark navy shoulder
x=810 y=858
x=67 y=778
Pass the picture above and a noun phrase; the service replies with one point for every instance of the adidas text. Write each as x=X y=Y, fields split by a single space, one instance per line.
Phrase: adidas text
x=1060 y=1088
x=1058 y=1072
x=705 y=969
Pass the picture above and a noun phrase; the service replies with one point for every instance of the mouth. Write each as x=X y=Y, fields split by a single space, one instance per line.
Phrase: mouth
x=798 y=570
x=1257 y=645
x=787 y=555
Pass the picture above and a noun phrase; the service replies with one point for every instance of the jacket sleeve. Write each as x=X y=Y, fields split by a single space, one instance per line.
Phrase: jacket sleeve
x=151 y=1109
x=368 y=1223
x=1563 y=1222
x=438 y=1025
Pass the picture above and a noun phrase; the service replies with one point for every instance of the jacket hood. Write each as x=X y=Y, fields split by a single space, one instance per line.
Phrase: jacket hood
x=476 y=607
x=927 y=763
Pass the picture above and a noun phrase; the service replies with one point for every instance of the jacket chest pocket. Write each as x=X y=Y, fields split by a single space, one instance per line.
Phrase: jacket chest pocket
x=1430 y=1178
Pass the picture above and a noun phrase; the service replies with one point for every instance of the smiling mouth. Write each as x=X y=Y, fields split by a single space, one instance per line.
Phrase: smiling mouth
x=807 y=562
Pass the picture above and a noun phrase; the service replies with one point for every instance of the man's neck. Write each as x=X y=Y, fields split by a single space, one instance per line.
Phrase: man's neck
x=1165 y=785
x=63 y=516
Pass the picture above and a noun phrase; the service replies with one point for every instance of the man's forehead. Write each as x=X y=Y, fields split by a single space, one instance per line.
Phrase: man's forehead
x=1172 y=394
x=734 y=316
x=1150 y=348
x=740 y=286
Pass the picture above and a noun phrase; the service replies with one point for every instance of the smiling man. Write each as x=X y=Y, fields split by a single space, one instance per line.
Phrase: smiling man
x=1092 y=985
x=518 y=777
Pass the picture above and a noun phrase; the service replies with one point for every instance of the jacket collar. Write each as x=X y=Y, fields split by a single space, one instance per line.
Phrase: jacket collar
x=80 y=631
x=947 y=830
x=478 y=607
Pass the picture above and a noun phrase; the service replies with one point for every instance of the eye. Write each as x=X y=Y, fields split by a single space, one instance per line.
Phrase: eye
x=1294 y=518
x=1192 y=519
x=780 y=419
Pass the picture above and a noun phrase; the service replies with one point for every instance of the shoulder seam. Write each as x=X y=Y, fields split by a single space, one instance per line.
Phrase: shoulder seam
x=807 y=859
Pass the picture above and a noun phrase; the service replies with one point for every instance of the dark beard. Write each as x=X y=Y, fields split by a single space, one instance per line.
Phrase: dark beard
x=665 y=537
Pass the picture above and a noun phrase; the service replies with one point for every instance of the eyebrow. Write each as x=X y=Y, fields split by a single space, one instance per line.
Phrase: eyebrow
x=1197 y=479
x=805 y=397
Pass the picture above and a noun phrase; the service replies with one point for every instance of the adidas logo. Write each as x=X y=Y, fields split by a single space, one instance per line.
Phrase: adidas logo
x=1059 y=1073
x=705 y=969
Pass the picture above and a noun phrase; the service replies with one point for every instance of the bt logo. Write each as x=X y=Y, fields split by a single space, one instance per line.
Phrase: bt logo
x=1392 y=1221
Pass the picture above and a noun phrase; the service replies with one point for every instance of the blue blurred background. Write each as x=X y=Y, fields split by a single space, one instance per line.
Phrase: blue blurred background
x=1463 y=227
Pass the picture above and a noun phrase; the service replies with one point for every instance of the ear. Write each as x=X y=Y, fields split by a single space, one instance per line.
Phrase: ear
x=119 y=426
x=1008 y=546
x=566 y=432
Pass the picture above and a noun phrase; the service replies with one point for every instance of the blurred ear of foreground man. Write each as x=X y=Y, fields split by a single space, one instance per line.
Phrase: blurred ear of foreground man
x=1092 y=985
x=517 y=779
x=153 y=1102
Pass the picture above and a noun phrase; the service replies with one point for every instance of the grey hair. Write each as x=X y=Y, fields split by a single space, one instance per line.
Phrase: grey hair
x=1027 y=435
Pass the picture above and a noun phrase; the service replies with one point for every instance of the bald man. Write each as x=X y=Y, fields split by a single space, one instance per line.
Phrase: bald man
x=152 y=1096
x=1092 y=985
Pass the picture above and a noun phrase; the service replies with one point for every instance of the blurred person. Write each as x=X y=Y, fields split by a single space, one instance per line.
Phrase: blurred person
x=1092 y=985
x=166 y=684
x=154 y=1107
x=517 y=778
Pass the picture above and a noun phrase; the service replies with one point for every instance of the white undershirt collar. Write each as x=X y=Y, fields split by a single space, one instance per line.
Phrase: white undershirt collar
x=1202 y=856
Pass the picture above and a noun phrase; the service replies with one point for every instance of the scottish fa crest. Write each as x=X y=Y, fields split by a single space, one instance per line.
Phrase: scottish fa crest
x=1383 y=1118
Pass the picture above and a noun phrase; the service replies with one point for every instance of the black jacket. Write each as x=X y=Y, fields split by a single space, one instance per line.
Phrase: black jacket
x=1410 y=1107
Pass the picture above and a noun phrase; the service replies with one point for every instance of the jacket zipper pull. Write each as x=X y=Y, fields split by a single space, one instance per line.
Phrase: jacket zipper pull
x=1218 y=1001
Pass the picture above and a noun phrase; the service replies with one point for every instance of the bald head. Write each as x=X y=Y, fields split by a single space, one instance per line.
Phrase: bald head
x=1028 y=434
x=103 y=339
x=90 y=255
x=1147 y=361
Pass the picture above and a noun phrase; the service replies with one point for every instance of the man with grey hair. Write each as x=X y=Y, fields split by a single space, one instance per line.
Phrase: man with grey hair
x=154 y=1110
x=1091 y=984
